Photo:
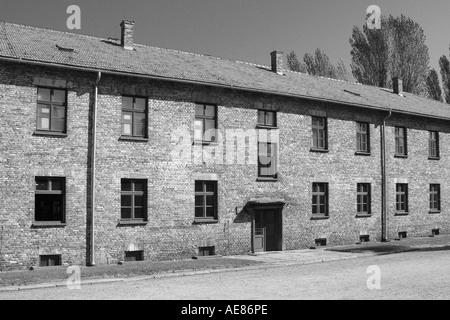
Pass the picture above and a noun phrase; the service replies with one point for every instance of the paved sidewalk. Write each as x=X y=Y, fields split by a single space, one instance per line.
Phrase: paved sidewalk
x=285 y=258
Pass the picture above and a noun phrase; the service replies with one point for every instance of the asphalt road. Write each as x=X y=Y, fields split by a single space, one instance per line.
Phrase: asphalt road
x=413 y=275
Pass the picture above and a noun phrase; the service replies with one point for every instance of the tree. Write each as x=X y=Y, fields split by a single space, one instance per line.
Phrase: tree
x=433 y=86
x=398 y=49
x=444 y=64
x=318 y=65
x=294 y=64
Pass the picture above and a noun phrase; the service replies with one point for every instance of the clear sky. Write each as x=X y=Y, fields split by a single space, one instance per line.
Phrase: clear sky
x=246 y=30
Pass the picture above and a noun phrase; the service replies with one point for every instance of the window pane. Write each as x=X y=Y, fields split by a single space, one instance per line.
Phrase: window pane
x=140 y=103
x=210 y=132
x=139 y=201
x=43 y=94
x=139 y=213
x=126 y=201
x=126 y=213
x=43 y=124
x=58 y=124
x=210 y=212
x=139 y=186
x=139 y=126
x=261 y=117
x=48 y=207
x=199 y=212
x=210 y=186
x=43 y=110
x=199 y=110
x=270 y=118
x=57 y=185
x=210 y=201
x=198 y=201
x=198 y=128
x=198 y=186
x=210 y=111
x=59 y=96
x=127 y=117
x=59 y=112
x=126 y=129
x=41 y=184
x=126 y=185
x=127 y=102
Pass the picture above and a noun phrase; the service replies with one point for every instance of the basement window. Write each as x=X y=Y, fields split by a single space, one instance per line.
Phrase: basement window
x=206 y=251
x=435 y=232
x=131 y=256
x=321 y=242
x=402 y=235
x=364 y=238
x=50 y=260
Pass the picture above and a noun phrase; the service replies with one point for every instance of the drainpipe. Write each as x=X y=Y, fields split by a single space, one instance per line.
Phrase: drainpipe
x=384 y=181
x=91 y=262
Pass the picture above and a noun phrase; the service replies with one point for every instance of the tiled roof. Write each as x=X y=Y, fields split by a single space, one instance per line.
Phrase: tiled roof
x=41 y=45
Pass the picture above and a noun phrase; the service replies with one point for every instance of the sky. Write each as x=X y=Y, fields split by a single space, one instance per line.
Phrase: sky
x=244 y=30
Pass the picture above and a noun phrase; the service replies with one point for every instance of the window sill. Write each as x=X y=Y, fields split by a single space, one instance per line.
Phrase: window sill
x=402 y=213
x=205 y=221
x=137 y=139
x=365 y=215
x=48 y=224
x=434 y=158
x=364 y=154
x=401 y=156
x=267 y=180
x=206 y=143
x=319 y=150
x=434 y=211
x=132 y=223
x=50 y=134
x=318 y=217
x=261 y=126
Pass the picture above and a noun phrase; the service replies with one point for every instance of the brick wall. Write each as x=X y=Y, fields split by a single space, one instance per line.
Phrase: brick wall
x=171 y=232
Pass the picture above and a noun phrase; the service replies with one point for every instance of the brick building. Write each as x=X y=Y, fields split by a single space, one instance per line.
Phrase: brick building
x=115 y=151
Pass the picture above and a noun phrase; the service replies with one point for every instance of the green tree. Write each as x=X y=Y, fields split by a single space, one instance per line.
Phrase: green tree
x=433 y=86
x=398 y=49
x=294 y=64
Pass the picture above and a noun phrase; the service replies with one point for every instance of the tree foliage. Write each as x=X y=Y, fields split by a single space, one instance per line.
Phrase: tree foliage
x=318 y=65
x=398 y=49
x=433 y=86
x=444 y=65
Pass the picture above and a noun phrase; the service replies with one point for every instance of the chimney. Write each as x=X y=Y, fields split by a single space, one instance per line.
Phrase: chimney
x=126 y=40
x=397 y=84
x=277 y=62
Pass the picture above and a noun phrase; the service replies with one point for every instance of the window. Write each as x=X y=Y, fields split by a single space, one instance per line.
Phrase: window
x=49 y=200
x=205 y=200
x=134 y=117
x=400 y=142
x=50 y=260
x=206 y=251
x=319 y=133
x=362 y=137
x=435 y=197
x=134 y=200
x=363 y=199
x=433 y=144
x=267 y=160
x=51 y=110
x=267 y=118
x=205 y=123
x=401 y=198
x=320 y=199
x=131 y=256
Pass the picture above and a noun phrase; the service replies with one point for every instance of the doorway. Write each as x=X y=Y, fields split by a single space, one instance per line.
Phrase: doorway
x=267 y=231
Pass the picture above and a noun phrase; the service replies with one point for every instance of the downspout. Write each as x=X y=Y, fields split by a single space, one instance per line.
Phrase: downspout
x=384 y=181
x=91 y=262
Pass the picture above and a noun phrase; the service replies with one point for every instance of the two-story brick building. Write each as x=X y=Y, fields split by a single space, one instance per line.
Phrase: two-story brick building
x=115 y=151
